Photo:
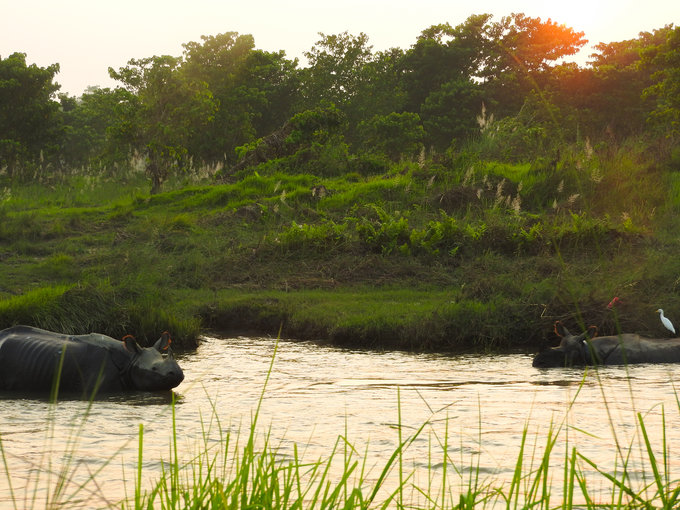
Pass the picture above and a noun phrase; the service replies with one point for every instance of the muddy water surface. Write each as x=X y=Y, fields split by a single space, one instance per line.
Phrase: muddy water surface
x=480 y=405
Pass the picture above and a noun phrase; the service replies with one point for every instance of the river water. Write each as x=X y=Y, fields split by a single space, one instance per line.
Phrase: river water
x=483 y=408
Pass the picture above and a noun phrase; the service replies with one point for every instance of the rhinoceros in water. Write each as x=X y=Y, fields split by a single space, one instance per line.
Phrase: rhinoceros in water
x=587 y=349
x=33 y=359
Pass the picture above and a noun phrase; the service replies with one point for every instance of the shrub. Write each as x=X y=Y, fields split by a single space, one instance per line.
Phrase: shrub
x=396 y=135
x=320 y=238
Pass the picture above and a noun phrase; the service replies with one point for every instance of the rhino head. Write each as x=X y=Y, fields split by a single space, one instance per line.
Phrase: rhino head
x=152 y=368
x=573 y=349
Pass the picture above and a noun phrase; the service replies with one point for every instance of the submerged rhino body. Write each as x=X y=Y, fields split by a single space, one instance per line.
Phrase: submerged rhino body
x=33 y=359
x=627 y=348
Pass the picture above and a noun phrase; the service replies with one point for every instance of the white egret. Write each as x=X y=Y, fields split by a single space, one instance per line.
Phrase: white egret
x=664 y=320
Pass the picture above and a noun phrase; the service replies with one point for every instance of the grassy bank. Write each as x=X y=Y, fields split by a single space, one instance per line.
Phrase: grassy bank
x=435 y=254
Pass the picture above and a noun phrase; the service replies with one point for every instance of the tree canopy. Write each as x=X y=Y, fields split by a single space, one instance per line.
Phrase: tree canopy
x=29 y=122
x=223 y=95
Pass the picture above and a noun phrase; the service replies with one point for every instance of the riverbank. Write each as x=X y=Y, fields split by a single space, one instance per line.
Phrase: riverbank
x=427 y=256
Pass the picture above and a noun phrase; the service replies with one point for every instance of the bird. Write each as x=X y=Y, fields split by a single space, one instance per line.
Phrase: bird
x=664 y=320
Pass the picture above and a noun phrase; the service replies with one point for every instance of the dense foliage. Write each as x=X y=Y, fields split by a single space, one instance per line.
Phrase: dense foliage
x=196 y=110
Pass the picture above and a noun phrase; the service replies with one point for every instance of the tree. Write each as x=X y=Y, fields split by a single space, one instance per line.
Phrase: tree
x=379 y=92
x=29 y=114
x=532 y=45
x=523 y=52
x=276 y=81
x=254 y=92
x=334 y=68
x=171 y=105
x=344 y=71
x=665 y=60
x=608 y=97
x=97 y=128
x=444 y=54
x=616 y=102
x=450 y=113
x=395 y=135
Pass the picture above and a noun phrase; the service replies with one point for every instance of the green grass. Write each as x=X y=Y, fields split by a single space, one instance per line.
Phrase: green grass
x=77 y=309
x=409 y=319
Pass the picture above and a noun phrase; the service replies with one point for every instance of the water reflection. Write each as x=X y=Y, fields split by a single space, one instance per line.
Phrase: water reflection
x=316 y=393
x=130 y=398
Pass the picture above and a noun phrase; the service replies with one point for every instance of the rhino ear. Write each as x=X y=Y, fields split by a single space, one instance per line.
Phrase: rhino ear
x=163 y=343
x=560 y=330
x=591 y=332
x=131 y=344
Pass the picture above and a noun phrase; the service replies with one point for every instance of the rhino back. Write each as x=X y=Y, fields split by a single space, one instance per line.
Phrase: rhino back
x=29 y=363
x=658 y=350
x=632 y=348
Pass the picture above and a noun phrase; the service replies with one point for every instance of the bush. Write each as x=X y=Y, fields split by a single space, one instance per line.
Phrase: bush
x=395 y=135
x=322 y=238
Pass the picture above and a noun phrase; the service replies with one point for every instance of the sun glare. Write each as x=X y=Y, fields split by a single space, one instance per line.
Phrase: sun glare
x=581 y=15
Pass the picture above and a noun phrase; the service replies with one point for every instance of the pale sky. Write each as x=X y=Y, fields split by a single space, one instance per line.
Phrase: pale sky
x=87 y=36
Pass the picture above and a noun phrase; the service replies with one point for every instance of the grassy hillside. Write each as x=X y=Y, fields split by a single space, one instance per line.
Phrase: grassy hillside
x=445 y=253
